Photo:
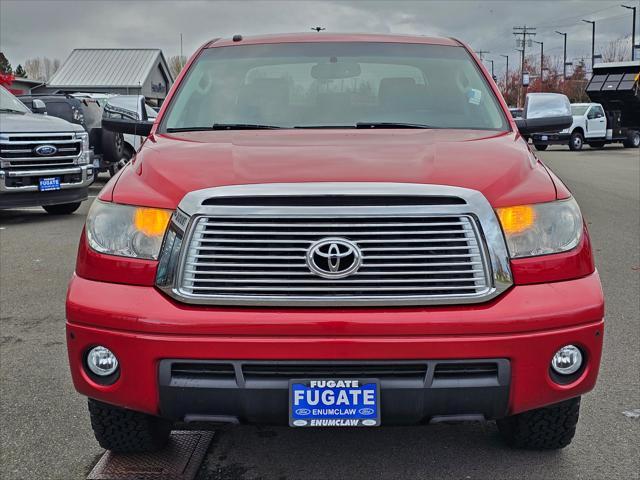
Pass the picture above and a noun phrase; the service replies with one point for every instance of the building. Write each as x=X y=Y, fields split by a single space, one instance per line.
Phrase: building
x=23 y=86
x=124 y=71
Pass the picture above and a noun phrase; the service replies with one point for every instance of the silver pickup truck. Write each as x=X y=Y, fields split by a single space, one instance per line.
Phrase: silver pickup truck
x=44 y=161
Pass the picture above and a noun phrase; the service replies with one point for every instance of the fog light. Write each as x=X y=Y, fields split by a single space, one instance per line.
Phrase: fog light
x=567 y=360
x=102 y=361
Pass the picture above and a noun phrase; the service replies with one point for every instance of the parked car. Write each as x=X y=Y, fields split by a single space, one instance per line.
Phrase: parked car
x=118 y=148
x=616 y=119
x=336 y=230
x=516 y=112
x=44 y=161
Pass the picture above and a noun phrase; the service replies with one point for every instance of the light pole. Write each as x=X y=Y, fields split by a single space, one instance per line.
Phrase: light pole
x=492 y=75
x=593 y=41
x=541 y=60
x=633 y=32
x=564 y=55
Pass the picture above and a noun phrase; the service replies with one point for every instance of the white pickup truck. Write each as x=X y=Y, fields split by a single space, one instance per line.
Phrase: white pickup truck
x=591 y=126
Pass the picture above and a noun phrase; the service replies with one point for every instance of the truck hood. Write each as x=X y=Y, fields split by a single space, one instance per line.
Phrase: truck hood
x=31 y=123
x=498 y=164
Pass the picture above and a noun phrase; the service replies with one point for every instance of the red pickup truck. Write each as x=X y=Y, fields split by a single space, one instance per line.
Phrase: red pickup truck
x=335 y=231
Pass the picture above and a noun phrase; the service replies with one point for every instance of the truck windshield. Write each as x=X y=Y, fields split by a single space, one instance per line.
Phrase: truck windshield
x=334 y=85
x=10 y=104
x=579 y=109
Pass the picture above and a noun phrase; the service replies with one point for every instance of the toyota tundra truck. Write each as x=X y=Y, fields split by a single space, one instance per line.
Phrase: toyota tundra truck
x=334 y=231
x=44 y=161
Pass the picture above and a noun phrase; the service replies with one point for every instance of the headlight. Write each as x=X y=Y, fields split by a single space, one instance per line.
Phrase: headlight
x=127 y=231
x=542 y=228
x=84 y=151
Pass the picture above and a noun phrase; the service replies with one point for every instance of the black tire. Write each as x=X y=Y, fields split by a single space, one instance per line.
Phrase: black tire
x=126 y=431
x=62 y=209
x=119 y=165
x=576 y=142
x=547 y=428
x=540 y=147
x=113 y=146
x=596 y=145
x=632 y=141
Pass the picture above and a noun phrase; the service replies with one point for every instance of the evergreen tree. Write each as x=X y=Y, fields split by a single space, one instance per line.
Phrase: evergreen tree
x=20 y=72
x=5 y=66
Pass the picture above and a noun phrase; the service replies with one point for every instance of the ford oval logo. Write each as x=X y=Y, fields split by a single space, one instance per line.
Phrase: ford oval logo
x=366 y=411
x=334 y=257
x=45 y=150
x=303 y=411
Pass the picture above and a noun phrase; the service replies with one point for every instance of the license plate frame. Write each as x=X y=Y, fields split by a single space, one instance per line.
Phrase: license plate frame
x=324 y=414
x=48 y=184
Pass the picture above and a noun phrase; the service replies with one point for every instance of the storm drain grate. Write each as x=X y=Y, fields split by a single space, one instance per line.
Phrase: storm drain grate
x=179 y=460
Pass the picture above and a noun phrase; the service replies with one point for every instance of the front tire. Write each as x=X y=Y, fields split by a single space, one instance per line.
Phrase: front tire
x=125 y=431
x=540 y=147
x=576 y=142
x=547 y=428
x=632 y=141
x=62 y=209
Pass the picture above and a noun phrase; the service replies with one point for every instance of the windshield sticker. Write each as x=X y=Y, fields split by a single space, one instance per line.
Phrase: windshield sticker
x=474 y=96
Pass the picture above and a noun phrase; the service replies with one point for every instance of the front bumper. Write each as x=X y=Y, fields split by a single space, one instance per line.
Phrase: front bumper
x=520 y=331
x=551 y=138
x=73 y=187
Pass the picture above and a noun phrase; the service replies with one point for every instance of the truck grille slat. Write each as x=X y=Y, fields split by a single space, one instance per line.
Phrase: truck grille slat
x=265 y=256
x=19 y=150
x=307 y=274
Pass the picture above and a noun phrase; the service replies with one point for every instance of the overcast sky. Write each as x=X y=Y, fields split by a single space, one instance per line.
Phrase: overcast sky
x=31 y=28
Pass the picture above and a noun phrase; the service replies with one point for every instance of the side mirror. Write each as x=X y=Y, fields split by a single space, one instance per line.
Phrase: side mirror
x=545 y=112
x=38 y=106
x=124 y=125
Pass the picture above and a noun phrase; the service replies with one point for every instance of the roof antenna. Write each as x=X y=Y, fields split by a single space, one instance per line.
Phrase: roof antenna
x=318 y=29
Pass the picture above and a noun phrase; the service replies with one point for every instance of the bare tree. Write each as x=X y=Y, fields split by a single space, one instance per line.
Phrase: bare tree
x=176 y=64
x=617 y=50
x=41 y=68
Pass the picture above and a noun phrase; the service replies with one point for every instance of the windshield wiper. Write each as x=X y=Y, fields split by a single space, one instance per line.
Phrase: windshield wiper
x=10 y=110
x=391 y=125
x=242 y=126
x=223 y=126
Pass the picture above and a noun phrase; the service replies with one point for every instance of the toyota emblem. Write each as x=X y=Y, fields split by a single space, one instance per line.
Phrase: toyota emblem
x=334 y=257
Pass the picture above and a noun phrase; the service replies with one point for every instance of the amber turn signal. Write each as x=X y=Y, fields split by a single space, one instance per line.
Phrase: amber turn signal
x=516 y=219
x=151 y=221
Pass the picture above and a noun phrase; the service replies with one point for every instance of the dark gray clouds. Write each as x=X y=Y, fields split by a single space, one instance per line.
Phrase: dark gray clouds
x=30 y=28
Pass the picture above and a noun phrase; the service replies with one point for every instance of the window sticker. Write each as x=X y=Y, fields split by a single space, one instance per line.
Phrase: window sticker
x=474 y=96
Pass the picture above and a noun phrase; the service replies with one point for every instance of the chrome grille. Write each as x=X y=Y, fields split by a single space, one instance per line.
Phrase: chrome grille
x=18 y=150
x=271 y=245
x=411 y=256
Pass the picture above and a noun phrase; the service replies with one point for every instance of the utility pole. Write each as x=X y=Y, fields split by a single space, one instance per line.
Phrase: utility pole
x=541 y=60
x=492 y=75
x=564 y=55
x=633 y=32
x=506 y=76
x=593 y=42
x=523 y=32
x=521 y=50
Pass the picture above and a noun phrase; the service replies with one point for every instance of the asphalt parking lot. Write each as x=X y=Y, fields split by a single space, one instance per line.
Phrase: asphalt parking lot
x=44 y=425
